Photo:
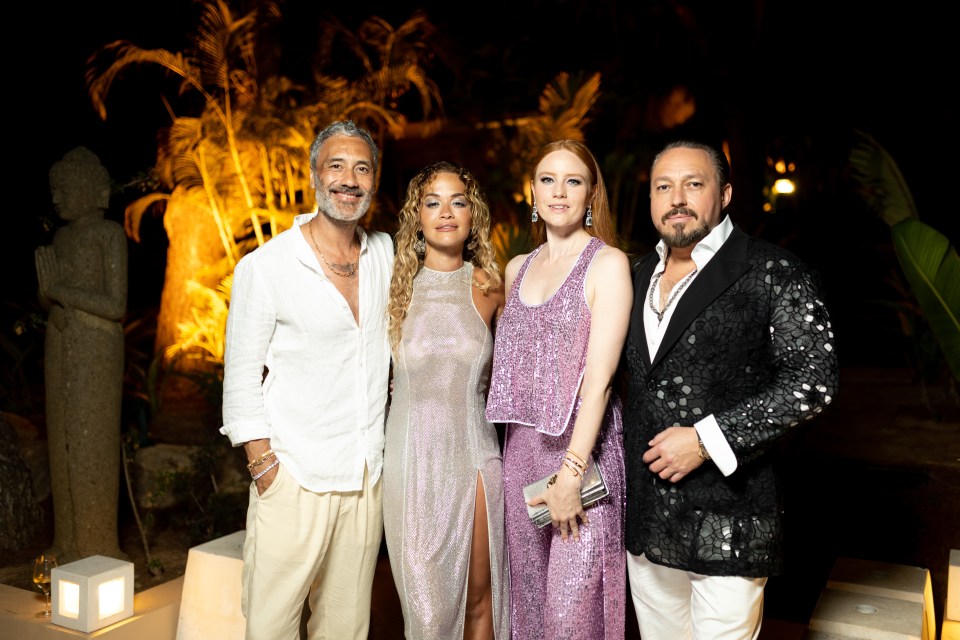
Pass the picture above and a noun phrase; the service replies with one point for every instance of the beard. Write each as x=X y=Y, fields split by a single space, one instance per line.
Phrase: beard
x=337 y=210
x=676 y=236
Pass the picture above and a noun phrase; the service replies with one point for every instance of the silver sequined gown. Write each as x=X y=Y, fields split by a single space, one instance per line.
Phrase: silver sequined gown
x=437 y=441
x=559 y=590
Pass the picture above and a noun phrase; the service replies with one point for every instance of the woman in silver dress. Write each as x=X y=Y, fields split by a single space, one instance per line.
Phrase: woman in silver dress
x=443 y=472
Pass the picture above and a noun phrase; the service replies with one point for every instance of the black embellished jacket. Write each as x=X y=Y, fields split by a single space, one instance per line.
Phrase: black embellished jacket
x=750 y=342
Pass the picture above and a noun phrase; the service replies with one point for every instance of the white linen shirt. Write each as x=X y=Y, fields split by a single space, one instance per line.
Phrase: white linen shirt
x=323 y=401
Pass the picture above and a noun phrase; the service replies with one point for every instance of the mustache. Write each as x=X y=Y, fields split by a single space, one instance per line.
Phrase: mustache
x=352 y=191
x=684 y=211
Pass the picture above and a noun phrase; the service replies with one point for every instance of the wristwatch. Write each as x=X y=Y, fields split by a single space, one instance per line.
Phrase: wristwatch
x=702 y=452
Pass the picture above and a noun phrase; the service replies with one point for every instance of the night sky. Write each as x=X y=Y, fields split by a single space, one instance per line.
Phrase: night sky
x=800 y=75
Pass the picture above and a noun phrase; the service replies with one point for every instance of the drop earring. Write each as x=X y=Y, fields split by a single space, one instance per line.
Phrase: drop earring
x=534 y=216
x=589 y=221
x=420 y=245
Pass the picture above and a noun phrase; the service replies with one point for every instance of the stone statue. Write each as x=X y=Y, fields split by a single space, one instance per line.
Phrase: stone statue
x=83 y=283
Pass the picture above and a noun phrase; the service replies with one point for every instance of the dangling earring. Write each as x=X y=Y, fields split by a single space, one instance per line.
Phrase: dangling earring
x=589 y=220
x=420 y=245
x=534 y=216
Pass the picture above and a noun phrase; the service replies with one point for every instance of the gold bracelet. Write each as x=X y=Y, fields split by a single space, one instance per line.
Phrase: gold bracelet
x=702 y=450
x=583 y=463
x=581 y=467
x=570 y=464
x=260 y=459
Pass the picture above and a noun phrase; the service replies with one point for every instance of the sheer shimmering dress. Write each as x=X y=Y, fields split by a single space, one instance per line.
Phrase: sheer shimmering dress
x=437 y=442
x=559 y=590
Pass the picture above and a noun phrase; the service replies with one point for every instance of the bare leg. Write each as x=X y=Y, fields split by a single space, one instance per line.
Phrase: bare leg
x=478 y=624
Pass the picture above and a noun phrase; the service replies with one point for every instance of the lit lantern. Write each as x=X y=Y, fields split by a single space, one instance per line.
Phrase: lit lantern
x=92 y=593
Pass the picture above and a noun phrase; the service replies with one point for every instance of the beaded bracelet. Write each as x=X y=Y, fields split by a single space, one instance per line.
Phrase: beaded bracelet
x=260 y=459
x=270 y=466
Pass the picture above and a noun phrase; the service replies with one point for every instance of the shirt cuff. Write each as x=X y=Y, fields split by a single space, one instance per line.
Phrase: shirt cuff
x=243 y=432
x=716 y=445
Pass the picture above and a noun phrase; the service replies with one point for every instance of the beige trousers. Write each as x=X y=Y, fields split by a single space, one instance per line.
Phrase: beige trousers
x=672 y=604
x=322 y=547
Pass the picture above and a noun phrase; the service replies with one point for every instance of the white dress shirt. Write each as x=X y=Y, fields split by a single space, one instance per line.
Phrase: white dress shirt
x=323 y=401
x=711 y=435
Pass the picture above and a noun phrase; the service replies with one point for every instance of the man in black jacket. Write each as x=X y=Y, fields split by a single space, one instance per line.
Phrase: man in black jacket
x=730 y=346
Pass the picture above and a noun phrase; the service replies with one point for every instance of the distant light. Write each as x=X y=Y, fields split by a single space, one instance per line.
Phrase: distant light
x=783 y=186
x=780 y=166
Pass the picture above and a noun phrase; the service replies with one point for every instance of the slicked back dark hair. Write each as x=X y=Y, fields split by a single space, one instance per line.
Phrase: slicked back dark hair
x=717 y=158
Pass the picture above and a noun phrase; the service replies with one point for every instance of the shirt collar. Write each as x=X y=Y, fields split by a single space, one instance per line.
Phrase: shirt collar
x=706 y=248
x=304 y=218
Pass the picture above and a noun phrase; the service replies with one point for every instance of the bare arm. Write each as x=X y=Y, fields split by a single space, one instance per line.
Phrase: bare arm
x=609 y=292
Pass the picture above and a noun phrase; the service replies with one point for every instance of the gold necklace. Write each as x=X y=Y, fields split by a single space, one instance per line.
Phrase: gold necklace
x=351 y=266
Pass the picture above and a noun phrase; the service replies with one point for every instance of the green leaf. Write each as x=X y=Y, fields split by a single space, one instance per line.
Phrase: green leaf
x=932 y=268
x=880 y=182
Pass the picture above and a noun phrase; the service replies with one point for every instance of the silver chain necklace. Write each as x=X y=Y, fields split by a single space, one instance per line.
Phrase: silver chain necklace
x=676 y=292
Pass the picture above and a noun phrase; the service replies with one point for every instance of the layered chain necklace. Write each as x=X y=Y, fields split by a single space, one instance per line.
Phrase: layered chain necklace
x=348 y=271
x=654 y=286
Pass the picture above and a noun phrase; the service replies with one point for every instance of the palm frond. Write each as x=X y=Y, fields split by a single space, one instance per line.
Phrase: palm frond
x=134 y=212
x=123 y=54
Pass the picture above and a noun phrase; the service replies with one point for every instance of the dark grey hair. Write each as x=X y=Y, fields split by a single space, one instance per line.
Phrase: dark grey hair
x=343 y=128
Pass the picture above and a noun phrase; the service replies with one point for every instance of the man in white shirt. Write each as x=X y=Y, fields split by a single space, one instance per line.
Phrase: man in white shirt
x=730 y=346
x=305 y=393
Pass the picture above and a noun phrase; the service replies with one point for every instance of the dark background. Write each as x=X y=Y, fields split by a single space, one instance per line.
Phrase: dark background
x=791 y=79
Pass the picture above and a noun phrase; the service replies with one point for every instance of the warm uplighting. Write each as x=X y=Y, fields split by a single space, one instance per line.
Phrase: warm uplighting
x=783 y=186
x=92 y=593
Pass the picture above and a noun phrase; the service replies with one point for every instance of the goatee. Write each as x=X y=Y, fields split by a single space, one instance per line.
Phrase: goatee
x=677 y=237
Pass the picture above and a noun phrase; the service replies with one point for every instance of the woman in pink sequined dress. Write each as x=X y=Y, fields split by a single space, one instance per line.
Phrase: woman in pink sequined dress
x=556 y=352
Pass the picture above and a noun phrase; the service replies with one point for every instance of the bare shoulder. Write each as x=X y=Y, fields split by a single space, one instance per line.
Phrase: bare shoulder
x=481 y=277
x=611 y=262
x=489 y=302
x=514 y=265
x=609 y=282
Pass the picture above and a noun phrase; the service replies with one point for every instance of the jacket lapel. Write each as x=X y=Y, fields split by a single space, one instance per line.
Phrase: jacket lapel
x=723 y=270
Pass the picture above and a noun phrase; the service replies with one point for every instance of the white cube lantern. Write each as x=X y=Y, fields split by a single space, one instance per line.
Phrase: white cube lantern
x=92 y=593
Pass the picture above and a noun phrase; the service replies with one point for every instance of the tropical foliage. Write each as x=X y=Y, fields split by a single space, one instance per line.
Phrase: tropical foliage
x=233 y=171
x=928 y=259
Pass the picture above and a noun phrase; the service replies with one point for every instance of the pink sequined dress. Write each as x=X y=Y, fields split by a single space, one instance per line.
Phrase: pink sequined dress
x=559 y=590
x=437 y=443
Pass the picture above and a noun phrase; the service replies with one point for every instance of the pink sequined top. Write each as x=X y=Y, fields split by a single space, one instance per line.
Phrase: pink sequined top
x=540 y=352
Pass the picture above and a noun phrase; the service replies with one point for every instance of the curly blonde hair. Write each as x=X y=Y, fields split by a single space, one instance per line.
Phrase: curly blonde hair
x=478 y=249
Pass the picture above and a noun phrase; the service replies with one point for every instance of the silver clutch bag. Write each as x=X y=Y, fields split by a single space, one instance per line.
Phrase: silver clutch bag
x=592 y=488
